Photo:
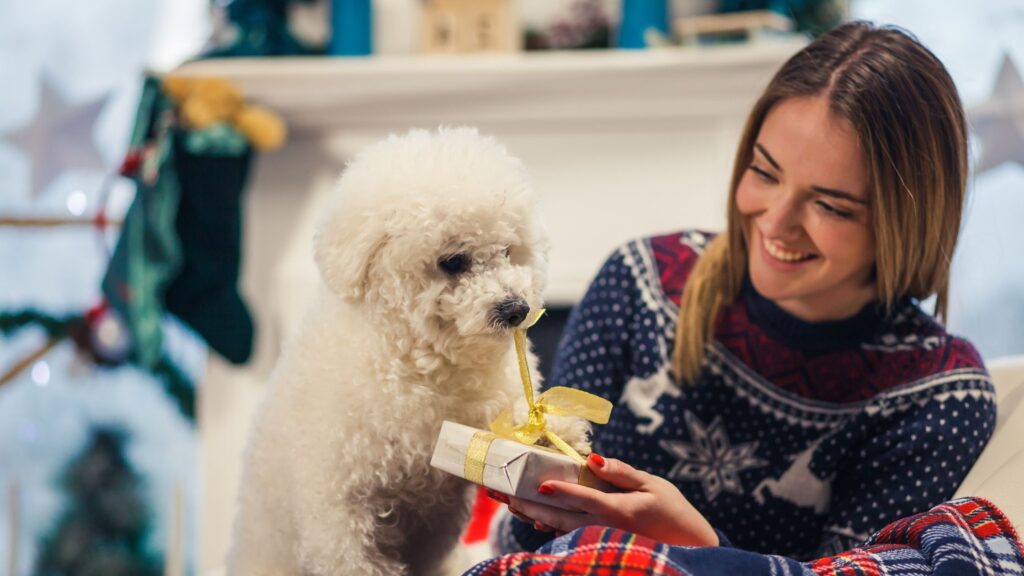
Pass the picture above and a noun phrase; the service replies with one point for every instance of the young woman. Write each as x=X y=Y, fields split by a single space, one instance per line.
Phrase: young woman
x=778 y=385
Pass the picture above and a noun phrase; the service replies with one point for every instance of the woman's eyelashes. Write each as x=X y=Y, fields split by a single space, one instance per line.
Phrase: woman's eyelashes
x=763 y=174
x=833 y=211
x=827 y=208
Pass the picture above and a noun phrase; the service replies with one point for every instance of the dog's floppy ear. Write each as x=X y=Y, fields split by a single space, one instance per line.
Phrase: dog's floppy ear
x=343 y=249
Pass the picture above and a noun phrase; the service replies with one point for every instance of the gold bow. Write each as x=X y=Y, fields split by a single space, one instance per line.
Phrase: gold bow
x=557 y=401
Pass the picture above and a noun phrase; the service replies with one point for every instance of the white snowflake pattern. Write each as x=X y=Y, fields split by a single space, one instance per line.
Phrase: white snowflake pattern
x=710 y=459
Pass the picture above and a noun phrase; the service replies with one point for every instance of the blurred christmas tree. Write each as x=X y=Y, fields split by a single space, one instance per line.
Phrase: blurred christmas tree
x=104 y=530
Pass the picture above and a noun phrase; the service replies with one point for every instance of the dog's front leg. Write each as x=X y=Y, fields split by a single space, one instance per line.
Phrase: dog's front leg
x=336 y=528
x=575 y=431
x=333 y=543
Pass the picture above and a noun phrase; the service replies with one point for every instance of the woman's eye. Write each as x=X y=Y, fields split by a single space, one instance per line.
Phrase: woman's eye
x=762 y=174
x=833 y=211
x=455 y=264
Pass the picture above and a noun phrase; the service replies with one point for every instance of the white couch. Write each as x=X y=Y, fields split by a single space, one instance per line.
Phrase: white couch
x=998 y=475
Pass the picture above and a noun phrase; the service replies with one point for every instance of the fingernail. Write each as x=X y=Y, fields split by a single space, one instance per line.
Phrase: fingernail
x=496 y=496
x=546 y=489
x=596 y=459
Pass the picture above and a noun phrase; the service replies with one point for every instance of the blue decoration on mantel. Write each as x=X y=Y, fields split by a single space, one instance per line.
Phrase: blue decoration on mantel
x=637 y=17
x=351 y=28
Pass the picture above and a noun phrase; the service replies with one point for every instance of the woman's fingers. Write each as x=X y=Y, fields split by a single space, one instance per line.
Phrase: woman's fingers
x=552 y=517
x=522 y=518
x=515 y=507
x=542 y=527
x=576 y=497
x=497 y=496
x=616 y=472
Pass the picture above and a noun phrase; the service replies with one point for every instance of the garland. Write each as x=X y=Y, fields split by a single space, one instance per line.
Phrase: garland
x=176 y=384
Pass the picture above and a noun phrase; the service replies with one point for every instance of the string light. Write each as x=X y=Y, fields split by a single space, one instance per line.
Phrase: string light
x=41 y=373
x=77 y=202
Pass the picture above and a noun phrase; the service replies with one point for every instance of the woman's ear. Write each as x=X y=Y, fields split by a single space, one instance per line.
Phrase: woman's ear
x=343 y=249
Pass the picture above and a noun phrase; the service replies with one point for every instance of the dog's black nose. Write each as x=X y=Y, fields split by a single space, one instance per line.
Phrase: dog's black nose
x=511 y=313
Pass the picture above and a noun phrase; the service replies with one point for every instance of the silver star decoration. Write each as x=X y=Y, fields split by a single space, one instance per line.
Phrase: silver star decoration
x=59 y=138
x=999 y=121
x=710 y=459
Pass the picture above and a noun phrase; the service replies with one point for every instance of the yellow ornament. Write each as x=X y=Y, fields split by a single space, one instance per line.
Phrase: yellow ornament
x=204 y=101
x=177 y=87
x=223 y=99
x=197 y=114
x=261 y=127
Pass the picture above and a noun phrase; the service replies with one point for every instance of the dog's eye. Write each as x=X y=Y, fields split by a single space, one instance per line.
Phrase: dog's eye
x=508 y=252
x=454 y=265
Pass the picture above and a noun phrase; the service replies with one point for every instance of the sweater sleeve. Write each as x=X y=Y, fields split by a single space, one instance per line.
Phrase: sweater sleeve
x=592 y=356
x=913 y=453
x=594 y=351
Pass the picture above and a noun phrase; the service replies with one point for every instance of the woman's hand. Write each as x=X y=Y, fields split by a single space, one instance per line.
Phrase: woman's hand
x=648 y=505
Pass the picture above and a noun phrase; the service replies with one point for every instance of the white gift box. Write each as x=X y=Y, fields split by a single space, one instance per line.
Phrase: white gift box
x=507 y=466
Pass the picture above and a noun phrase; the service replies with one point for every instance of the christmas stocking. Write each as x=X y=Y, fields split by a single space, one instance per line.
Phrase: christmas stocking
x=180 y=242
x=209 y=224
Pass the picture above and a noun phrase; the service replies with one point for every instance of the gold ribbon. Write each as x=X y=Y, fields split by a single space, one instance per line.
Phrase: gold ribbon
x=476 y=461
x=557 y=401
x=476 y=456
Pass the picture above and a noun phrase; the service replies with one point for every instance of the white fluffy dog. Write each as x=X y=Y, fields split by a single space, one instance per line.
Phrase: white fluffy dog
x=432 y=254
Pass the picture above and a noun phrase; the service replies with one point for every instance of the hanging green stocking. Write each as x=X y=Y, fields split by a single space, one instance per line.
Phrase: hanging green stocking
x=212 y=173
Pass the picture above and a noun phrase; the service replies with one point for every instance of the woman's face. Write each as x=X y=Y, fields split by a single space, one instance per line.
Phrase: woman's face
x=806 y=216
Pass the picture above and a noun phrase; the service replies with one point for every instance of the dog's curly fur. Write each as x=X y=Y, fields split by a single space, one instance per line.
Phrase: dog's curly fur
x=337 y=477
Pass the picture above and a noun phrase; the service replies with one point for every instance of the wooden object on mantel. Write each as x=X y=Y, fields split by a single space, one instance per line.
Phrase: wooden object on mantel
x=464 y=26
x=753 y=24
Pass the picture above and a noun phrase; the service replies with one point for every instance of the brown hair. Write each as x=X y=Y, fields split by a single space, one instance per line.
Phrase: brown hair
x=907 y=114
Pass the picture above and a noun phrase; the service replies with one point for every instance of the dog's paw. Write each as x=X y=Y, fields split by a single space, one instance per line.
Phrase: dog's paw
x=575 y=432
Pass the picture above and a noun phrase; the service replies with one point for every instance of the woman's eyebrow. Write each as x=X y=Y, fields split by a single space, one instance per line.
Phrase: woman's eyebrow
x=819 y=189
x=768 y=156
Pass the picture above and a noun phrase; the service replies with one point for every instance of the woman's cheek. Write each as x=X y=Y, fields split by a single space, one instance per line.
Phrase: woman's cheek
x=746 y=196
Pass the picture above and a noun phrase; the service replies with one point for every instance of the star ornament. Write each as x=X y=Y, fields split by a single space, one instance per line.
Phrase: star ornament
x=998 y=122
x=710 y=459
x=60 y=138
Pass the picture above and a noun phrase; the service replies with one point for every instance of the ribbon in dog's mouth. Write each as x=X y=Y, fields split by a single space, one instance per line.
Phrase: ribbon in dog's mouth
x=557 y=401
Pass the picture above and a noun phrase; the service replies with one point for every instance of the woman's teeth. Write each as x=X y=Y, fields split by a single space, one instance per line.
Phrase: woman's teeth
x=784 y=255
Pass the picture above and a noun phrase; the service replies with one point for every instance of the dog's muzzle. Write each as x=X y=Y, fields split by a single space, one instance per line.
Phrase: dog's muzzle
x=510 y=313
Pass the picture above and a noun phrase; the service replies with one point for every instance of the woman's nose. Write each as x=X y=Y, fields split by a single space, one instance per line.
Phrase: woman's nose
x=781 y=216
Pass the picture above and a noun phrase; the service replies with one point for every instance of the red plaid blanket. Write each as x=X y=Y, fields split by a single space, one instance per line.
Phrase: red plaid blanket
x=965 y=537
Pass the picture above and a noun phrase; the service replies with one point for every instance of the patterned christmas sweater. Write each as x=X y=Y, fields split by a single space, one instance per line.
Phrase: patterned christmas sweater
x=799 y=438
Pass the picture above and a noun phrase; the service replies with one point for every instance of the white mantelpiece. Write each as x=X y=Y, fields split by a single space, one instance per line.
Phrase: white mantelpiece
x=620 y=144
x=536 y=92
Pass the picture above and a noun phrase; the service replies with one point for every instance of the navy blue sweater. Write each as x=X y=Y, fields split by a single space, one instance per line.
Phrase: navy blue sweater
x=799 y=438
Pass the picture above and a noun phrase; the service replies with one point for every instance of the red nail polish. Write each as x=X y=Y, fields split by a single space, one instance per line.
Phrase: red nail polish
x=545 y=489
x=596 y=459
